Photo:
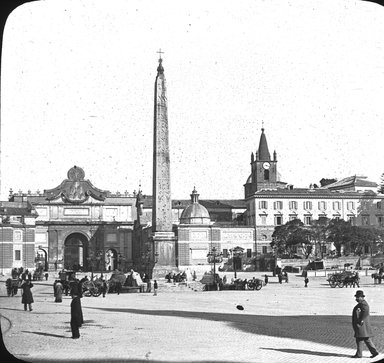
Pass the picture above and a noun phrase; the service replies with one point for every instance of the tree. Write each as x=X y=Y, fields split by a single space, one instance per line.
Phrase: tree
x=365 y=236
x=339 y=232
x=381 y=185
x=290 y=234
x=325 y=181
x=318 y=232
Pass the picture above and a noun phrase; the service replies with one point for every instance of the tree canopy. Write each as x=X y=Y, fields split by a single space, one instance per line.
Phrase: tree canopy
x=345 y=237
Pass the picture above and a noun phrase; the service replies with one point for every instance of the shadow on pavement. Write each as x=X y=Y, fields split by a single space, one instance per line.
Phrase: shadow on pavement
x=322 y=329
x=45 y=334
x=309 y=352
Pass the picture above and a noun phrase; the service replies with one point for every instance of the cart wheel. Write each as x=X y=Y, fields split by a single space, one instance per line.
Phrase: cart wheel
x=340 y=284
x=96 y=292
x=332 y=283
x=87 y=293
x=258 y=287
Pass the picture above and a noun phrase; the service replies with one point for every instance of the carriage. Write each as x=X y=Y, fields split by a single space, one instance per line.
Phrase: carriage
x=345 y=278
x=255 y=284
x=92 y=288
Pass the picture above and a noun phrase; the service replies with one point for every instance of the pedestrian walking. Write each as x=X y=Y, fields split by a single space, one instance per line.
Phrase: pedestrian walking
x=46 y=276
x=118 y=287
x=27 y=297
x=155 y=287
x=58 y=291
x=8 y=284
x=76 y=316
x=104 y=288
x=266 y=279
x=362 y=326
x=306 y=280
x=280 y=277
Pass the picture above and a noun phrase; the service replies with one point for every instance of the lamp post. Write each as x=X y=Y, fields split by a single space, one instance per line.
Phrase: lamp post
x=100 y=258
x=214 y=256
x=237 y=253
x=90 y=262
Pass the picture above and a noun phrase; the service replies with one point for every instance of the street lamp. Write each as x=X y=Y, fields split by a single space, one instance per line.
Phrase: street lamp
x=99 y=255
x=214 y=256
x=237 y=253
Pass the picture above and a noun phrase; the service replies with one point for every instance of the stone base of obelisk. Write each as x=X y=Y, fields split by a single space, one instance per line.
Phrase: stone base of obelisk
x=165 y=249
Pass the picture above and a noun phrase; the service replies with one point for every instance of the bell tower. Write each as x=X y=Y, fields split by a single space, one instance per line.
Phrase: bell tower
x=263 y=169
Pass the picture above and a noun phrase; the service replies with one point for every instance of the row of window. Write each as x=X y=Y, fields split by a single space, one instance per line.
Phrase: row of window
x=307 y=220
x=322 y=205
x=226 y=253
x=365 y=220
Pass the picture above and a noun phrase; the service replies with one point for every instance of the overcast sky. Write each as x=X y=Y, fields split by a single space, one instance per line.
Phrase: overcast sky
x=78 y=82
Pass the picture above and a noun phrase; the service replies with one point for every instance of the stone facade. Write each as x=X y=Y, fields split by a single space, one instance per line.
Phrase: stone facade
x=80 y=226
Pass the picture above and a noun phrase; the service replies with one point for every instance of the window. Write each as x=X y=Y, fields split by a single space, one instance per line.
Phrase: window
x=352 y=219
x=366 y=249
x=307 y=220
x=336 y=205
x=322 y=219
x=322 y=205
x=278 y=205
x=378 y=205
x=17 y=255
x=263 y=219
x=308 y=205
x=249 y=252
x=293 y=205
x=225 y=252
x=17 y=236
x=380 y=221
x=278 y=220
x=336 y=218
x=263 y=204
x=350 y=205
x=365 y=220
x=264 y=250
x=266 y=174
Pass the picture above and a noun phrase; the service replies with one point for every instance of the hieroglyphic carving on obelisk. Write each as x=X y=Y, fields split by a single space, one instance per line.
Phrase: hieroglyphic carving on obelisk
x=162 y=216
x=163 y=236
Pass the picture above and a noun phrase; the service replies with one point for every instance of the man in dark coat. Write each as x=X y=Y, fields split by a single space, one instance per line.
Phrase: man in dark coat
x=27 y=298
x=362 y=326
x=76 y=316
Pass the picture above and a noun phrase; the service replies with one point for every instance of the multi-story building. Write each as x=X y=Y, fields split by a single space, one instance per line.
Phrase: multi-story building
x=272 y=203
x=17 y=235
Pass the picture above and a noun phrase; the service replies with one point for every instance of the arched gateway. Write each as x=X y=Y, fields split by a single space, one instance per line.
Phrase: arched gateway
x=75 y=252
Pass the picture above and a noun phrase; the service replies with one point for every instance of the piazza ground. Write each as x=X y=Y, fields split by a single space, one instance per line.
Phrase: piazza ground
x=279 y=323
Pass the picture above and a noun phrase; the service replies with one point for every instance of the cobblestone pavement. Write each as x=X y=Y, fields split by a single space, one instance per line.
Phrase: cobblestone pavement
x=280 y=323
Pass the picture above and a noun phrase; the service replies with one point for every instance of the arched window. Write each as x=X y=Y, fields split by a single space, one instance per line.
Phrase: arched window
x=266 y=174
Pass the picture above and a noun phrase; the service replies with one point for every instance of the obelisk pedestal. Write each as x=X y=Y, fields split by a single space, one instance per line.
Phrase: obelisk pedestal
x=163 y=237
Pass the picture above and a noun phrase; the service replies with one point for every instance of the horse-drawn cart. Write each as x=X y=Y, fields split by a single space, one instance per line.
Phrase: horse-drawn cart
x=345 y=278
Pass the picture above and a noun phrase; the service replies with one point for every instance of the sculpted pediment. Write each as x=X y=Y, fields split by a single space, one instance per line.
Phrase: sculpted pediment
x=75 y=189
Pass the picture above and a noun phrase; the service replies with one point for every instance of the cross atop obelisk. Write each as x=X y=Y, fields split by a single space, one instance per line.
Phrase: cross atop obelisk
x=160 y=53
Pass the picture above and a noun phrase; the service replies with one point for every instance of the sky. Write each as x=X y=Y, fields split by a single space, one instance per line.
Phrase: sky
x=77 y=88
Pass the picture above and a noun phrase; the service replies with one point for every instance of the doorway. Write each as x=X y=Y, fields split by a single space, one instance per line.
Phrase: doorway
x=75 y=247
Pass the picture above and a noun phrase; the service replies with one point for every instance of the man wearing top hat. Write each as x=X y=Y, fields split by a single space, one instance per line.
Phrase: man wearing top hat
x=362 y=326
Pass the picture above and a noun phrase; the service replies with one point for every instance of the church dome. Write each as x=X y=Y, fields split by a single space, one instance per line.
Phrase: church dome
x=195 y=213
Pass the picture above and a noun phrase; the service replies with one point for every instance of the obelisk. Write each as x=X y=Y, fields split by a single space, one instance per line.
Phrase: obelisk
x=162 y=235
